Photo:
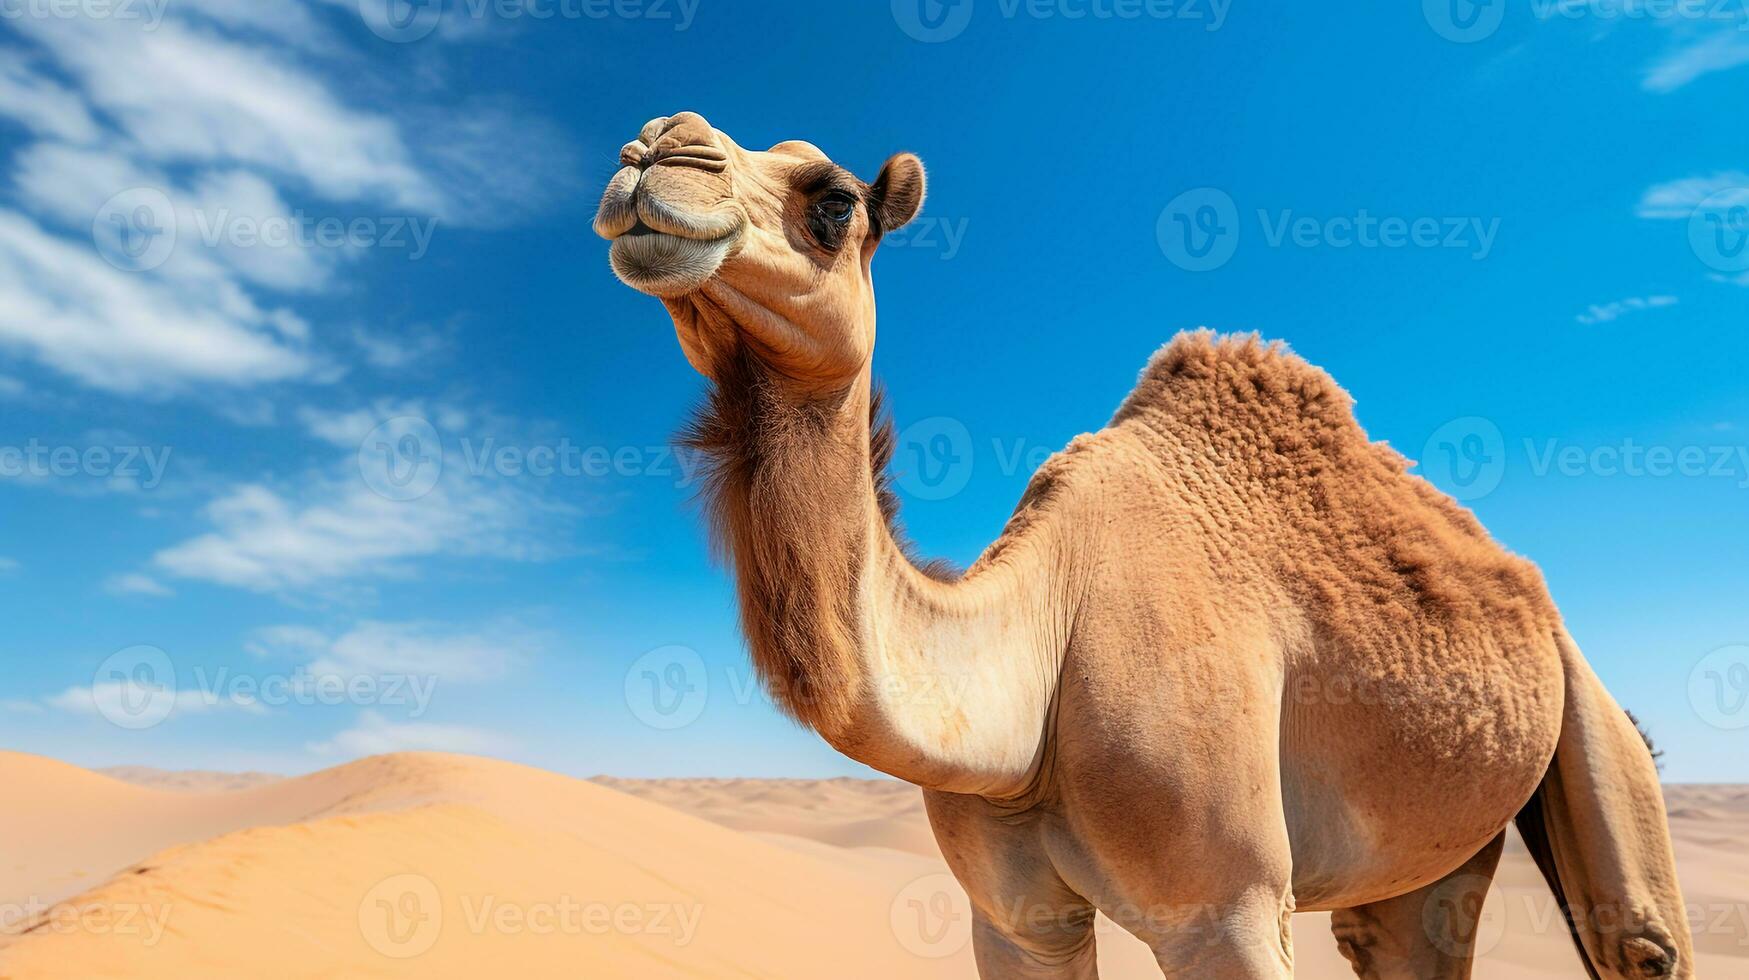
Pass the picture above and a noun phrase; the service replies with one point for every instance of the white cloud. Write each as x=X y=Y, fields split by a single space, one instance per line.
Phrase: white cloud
x=373 y=735
x=233 y=110
x=12 y=388
x=348 y=429
x=133 y=583
x=132 y=333
x=273 y=641
x=1678 y=199
x=1606 y=312
x=423 y=648
x=182 y=93
x=1725 y=48
x=9 y=566
x=381 y=649
x=123 y=698
x=343 y=530
x=43 y=105
x=395 y=352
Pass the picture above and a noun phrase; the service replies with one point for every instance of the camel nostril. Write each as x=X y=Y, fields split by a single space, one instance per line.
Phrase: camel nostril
x=1646 y=958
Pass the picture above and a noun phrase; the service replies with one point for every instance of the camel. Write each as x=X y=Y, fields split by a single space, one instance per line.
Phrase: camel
x=1228 y=660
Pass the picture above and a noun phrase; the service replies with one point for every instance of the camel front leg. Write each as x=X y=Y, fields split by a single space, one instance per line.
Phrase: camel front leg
x=1428 y=934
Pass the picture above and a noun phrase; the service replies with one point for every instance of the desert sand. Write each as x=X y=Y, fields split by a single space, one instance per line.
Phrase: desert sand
x=435 y=865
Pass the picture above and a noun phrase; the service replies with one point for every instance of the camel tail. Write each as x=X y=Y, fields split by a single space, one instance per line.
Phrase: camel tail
x=1598 y=832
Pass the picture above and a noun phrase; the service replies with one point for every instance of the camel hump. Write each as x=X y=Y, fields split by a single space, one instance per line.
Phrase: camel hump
x=1202 y=377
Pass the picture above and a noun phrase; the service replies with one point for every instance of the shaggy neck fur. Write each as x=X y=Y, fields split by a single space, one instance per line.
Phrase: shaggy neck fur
x=886 y=659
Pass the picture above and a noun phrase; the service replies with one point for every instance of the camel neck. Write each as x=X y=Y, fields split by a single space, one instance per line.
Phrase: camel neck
x=943 y=684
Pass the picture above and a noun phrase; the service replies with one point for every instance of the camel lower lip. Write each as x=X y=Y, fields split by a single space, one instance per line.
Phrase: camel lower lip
x=666 y=265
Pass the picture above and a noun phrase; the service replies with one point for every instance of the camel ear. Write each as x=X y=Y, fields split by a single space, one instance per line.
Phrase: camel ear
x=897 y=194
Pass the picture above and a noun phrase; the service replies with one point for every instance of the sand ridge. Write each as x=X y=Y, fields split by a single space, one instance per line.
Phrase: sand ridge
x=433 y=865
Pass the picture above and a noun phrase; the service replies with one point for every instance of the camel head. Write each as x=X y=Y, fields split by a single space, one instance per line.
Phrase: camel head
x=766 y=252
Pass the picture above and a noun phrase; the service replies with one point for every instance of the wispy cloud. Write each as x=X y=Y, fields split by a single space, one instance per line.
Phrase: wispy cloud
x=1678 y=199
x=227 y=115
x=9 y=566
x=1607 y=312
x=123 y=698
x=373 y=648
x=136 y=584
x=373 y=734
x=129 y=333
x=1723 y=46
x=266 y=541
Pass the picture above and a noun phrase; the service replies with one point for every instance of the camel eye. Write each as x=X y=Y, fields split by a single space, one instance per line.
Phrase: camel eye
x=830 y=216
x=838 y=208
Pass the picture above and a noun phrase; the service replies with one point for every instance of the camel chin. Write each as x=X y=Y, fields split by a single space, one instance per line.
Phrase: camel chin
x=667 y=266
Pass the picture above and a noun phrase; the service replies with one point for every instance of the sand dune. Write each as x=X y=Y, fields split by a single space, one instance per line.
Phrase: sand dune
x=434 y=865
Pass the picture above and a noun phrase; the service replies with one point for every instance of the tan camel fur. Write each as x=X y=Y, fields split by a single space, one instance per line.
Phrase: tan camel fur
x=1227 y=661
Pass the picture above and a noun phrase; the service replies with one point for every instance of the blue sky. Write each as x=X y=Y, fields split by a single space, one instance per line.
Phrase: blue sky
x=258 y=258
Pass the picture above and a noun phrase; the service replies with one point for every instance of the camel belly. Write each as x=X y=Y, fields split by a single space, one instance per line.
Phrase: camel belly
x=1392 y=779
